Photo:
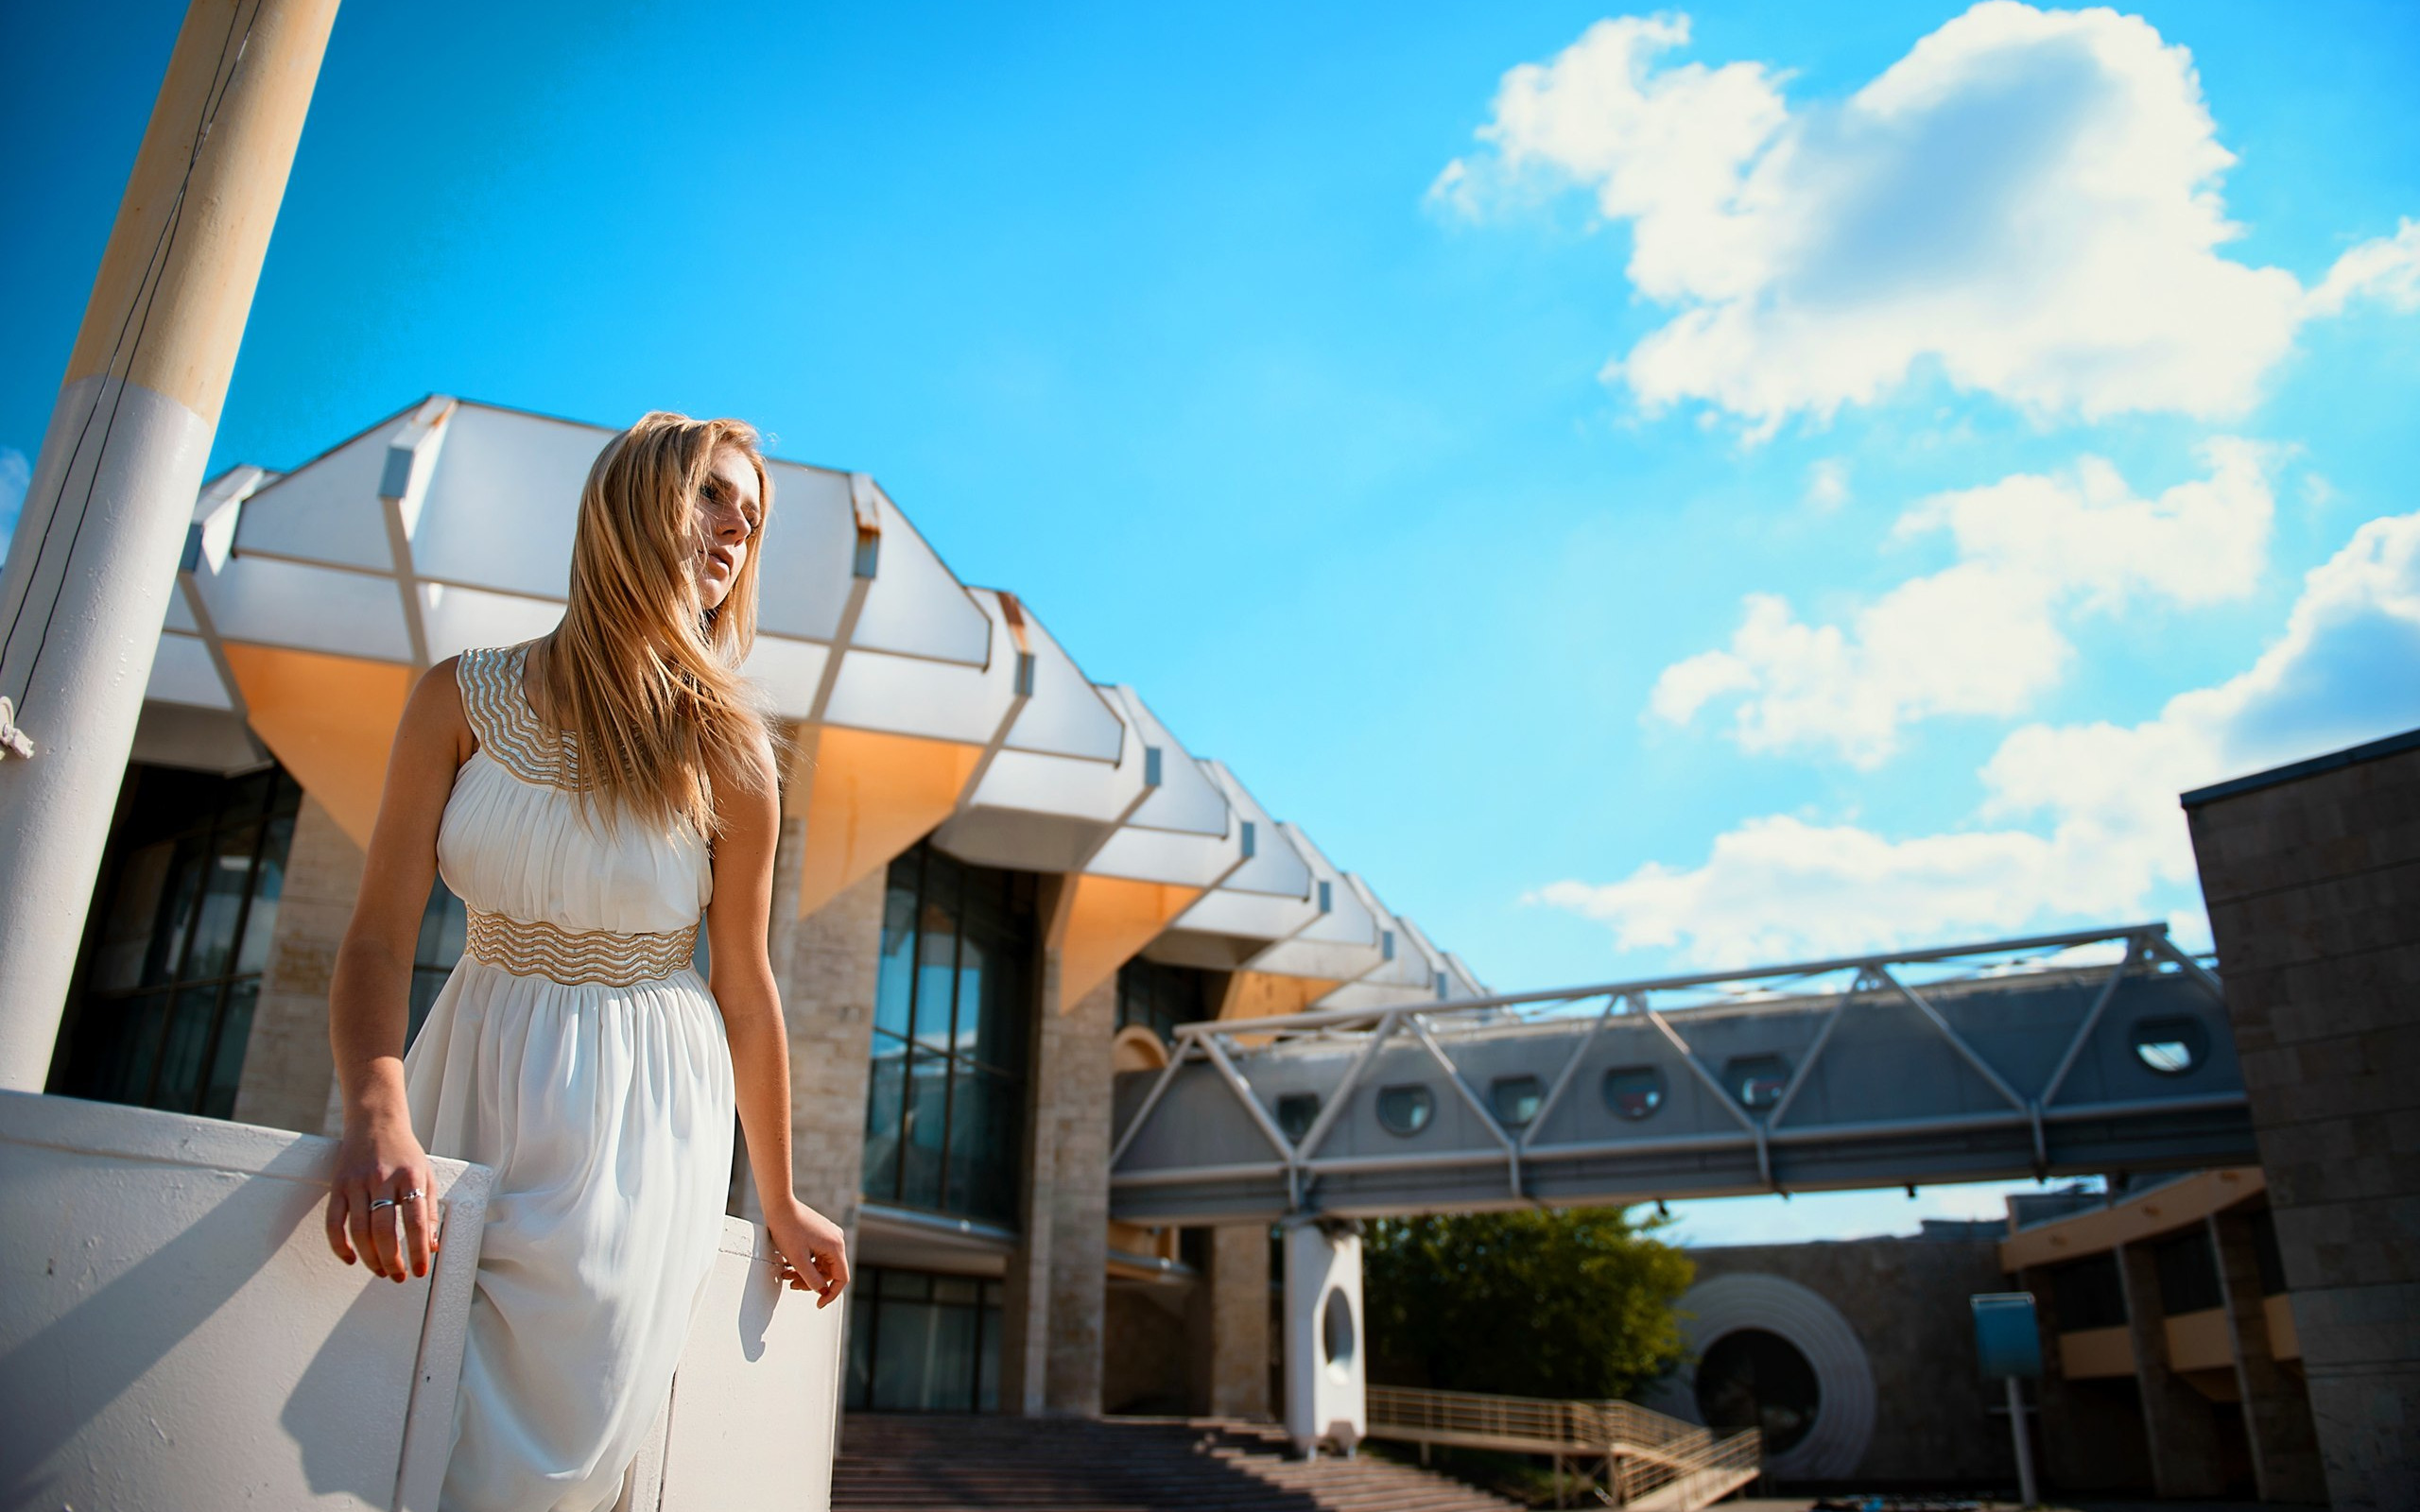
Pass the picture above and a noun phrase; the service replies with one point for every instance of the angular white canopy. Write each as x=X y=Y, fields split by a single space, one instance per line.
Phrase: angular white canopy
x=449 y=525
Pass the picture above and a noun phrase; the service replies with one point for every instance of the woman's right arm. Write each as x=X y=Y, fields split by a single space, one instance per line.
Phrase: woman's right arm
x=368 y=1002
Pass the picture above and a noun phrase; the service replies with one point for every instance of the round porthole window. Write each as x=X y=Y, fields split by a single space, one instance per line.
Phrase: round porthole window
x=1757 y=1081
x=1634 y=1091
x=1516 y=1099
x=1296 y=1113
x=2171 y=1045
x=1336 y=1335
x=1405 y=1110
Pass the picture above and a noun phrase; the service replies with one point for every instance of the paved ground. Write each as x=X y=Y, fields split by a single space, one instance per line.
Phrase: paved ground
x=1801 y=1504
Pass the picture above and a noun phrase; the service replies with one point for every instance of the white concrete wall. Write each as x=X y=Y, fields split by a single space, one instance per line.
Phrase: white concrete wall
x=755 y=1413
x=174 y=1333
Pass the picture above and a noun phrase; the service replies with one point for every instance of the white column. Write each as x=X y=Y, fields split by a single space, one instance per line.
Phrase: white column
x=95 y=553
x=1326 y=1375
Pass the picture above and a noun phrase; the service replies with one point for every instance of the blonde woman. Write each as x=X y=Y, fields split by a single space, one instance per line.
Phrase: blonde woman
x=588 y=795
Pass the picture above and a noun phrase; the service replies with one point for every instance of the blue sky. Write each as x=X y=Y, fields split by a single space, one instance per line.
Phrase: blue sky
x=1647 y=490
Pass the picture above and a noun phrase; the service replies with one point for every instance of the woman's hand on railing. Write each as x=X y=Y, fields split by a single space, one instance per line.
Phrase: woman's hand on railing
x=815 y=1254
x=382 y=1206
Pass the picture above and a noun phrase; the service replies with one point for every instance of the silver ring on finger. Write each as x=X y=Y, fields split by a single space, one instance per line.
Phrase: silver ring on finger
x=413 y=1196
x=376 y=1203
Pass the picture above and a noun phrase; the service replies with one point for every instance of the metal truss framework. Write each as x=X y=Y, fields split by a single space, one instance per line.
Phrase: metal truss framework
x=1141 y=1190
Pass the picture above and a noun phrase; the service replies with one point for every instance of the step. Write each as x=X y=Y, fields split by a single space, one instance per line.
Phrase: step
x=903 y=1463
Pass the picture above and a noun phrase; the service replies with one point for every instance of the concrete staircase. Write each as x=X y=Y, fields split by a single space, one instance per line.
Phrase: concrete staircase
x=963 y=1463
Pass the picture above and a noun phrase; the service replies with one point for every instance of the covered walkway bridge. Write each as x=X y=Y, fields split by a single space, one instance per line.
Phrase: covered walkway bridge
x=2057 y=1055
x=2051 y=1056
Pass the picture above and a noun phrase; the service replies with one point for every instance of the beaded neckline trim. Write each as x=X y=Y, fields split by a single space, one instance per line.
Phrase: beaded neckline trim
x=508 y=728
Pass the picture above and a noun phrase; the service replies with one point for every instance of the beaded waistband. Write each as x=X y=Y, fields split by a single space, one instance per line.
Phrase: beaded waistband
x=587 y=957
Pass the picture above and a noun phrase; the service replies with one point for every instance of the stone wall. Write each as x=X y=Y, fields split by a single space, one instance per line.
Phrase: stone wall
x=289 y=1071
x=1144 y=1349
x=1230 y=1330
x=1071 y=1104
x=825 y=965
x=1055 y=1292
x=1907 y=1302
x=2312 y=879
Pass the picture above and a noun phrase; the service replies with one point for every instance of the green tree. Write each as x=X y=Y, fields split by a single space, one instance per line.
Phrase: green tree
x=1577 y=1303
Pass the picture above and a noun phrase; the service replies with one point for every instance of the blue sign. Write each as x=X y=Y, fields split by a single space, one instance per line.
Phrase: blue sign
x=2005 y=1334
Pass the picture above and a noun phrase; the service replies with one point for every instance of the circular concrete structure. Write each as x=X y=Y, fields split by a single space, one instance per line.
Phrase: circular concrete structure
x=1843 y=1423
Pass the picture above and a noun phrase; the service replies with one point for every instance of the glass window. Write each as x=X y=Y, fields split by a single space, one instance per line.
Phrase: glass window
x=982 y=1143
x=1296 y=1113
x=2088 y=1294
x=886 y=1107
x=178 y=939
x=2265 y=1253
x=1634 y=1091
x=1161 y=997
x=923 y=1137
x=2171 y=1045
x=937 y=979
x=268 y=885
x=1406 y=1109
x=1516 y=1099
x=894 y=981
x=945 y=1095
x=2188 y=1273
x=444 y=925
x=922 y=1343
x=227 y=1056
x=1757 y=1081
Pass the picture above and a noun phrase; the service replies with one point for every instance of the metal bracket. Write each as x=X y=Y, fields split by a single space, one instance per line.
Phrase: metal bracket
x=14 y=742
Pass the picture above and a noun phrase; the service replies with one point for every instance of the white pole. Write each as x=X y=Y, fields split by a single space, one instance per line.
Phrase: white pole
x=2023 y=1444
x=96 y=551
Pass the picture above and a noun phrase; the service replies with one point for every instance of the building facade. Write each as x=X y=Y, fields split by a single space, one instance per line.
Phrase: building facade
x=997 y=883
x=2170 y=1359
x=2312 y=877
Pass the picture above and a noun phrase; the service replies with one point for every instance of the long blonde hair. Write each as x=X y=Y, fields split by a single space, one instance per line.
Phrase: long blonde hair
x=640 y=673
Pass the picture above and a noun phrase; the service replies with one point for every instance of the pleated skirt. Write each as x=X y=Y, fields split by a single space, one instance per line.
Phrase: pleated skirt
x=606 y=1114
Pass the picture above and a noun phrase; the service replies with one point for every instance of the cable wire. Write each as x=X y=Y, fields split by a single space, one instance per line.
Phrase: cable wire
x=148 y=291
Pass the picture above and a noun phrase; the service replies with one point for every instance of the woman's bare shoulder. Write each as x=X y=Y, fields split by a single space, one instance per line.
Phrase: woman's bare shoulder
x=436 y=710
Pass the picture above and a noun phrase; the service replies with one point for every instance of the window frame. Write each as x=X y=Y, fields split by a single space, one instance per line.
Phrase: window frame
x=995 y=907
x=109 y=1026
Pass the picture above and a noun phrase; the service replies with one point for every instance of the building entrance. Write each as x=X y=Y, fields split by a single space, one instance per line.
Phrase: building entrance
x=1754 y=1378
x=921 y=1342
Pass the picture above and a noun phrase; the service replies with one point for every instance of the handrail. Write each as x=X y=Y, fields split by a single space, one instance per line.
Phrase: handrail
x=1643 y=1451
x=1319 y=1018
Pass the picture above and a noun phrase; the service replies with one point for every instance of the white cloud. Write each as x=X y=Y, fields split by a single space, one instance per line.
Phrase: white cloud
x=2028 y=198
x=16 y=473
x=1984 y=636
x=2386 y=270
x=2108 y=831
x=1827 y=485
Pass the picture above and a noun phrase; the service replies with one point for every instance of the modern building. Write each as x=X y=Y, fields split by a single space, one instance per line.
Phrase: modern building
x=2170 y=1359
x=996 y=881
x=2250 y=1330
x=2171 y=1363
x=1856 y=1358
x=2311 y=873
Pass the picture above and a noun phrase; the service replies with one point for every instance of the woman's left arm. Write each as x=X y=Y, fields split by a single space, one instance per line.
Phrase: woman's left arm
x=736 y=922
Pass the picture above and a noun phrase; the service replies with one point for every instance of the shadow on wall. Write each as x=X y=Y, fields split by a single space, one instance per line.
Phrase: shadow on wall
x=167 y=1295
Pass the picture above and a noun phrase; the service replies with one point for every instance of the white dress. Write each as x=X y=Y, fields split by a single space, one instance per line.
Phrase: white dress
x=575 y=1051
